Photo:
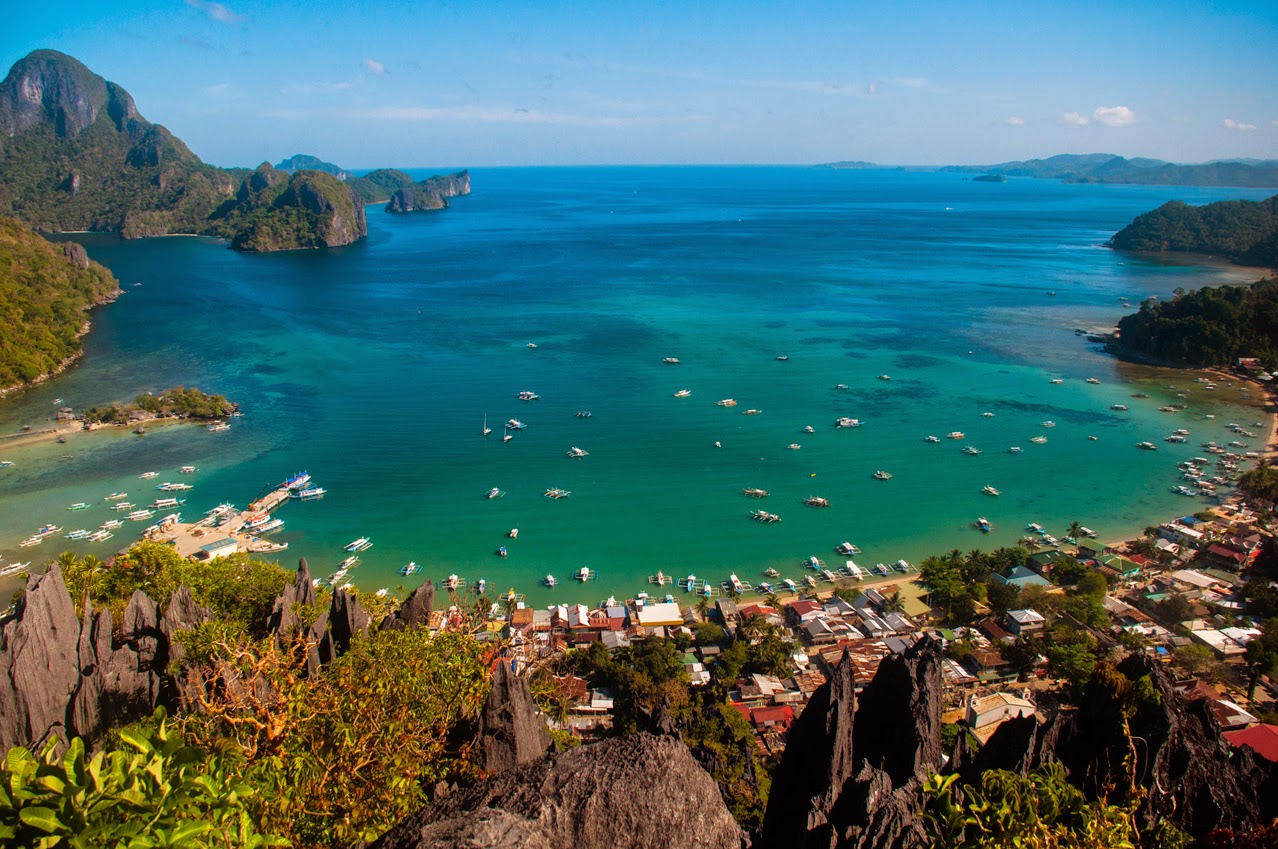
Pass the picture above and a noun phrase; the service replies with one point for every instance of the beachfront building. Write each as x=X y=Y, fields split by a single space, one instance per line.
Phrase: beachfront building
x=660 y=615
x=224 y=547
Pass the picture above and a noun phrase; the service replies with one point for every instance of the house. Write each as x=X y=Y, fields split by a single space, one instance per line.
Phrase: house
x=521 y=619
x=541 y=620
x=1021 y=577
x=991 y=628
x=817 y=632
x=1123 y=567
x=1025 y=622
x=1183 y=536
x=1228 y=715
x=224 y=547
x=835 y=606
x=661 y=614
x=1249 y=364
x=804 y=611
x=614 y=640
x=1262 y=739
x=989 y=665
x=984 y=715
x=1042 y=562
x=1222 y=556
x=618 y=618
x=779 y=718
x=1091 y=549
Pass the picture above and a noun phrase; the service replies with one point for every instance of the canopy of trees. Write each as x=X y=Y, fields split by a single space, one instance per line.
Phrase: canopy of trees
x=1212 y=326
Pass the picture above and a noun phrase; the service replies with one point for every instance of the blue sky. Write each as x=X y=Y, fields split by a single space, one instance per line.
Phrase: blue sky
x=441 y=84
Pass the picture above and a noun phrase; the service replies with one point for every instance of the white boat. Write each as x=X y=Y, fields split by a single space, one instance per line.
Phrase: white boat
x=494 y=493
x=683 y=393
x=80 y=534
x=1015 y=449
x=809 y=429
x=30 y=541
x=736 y=583
x=410 y=568
x=309 y=493
x=582 y=574
x=932 y=439
x=167 y=503
x=794 y=446
x=956 y=434
x=752 y=412
x=844 y=421
x=122 y=505
x=452 y=582
x=671 y=361
x=577 y=452
x=846 y=548
x=139 y=515
x=219 y=427
x=513 y=533
x=810 y=581
x=115 y=496
x=987 y=415
x=100 y=535
x=989 y=490
x=1147 y=446
x=902 y=566
x=353 y=560
x=882 y=475
x=726 y=402
x=690 y=583
x=1049 y=423
x=528 y=395
x=1093 y=380
x=48 y=530
x=273 y=525
x=112 y=524
x=487 y=429
x=555 y=492
x=1057 y=380
x=969 y=449
x=480 y=586
x=187 y=470
x=828 y=575
x=1038 y=440
x=515 y=424
x=1119 y=407
x=148 y=475
x=549 y=581
x=361 y=544
x=256 y=520
x=885 y=377
x=79 y=505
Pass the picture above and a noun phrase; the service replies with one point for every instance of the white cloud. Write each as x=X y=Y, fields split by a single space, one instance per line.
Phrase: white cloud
x=872 y=88
x=1230 y=123
x=496 y=115
x=1075 y=120
x=1114 y=116
x=1013 y=121
x=216 y=11
x=373 y=66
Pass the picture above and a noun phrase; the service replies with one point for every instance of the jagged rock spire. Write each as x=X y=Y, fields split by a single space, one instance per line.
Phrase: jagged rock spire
x=511 y=731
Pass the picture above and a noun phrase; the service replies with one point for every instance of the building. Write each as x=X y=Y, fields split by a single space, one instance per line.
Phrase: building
x=987 y=714
x=1025 y=622
x=1263 y=739
x=224 y=547
x=1020 y=577
x=661 y=614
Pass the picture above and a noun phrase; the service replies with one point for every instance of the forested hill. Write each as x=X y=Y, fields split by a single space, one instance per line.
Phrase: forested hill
x=1110 y=168
x=1240 y=230
x=1207 y=327
x=44 y=291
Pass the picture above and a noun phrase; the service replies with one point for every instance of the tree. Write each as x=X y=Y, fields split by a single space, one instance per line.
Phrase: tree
x=1193 y=659
x=1022 y=654
x=1070 y=655
x=703 y=608
x=1074 y=532
x=1173 y=610
x=894 y=603
x=1261 y=655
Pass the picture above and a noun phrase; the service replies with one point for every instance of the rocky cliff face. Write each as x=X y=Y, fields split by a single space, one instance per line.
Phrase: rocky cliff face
x=276 y=212
x=50 y=88
x=634 y=792
x=850 y=775
x=511 y=732
x=430 y=194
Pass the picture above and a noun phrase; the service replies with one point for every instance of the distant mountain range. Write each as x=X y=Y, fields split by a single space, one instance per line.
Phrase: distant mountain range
x=1110 y=168
x=75 y=154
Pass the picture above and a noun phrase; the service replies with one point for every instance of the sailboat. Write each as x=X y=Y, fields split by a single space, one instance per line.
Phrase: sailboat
x=487 y=429
x=505 y=435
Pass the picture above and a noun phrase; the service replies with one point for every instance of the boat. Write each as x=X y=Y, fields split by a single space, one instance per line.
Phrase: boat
x=846 y=548
x=706 y=590
x=79 y=505
x=353 y=560
x=983 y=525
x=810 y=581
x=532 y=344
x=783 y=358
x=515 y=424
x=885 y=377
x=452 y=583
x=1049 y=423
x=841 y=387
x=361 y=544
x=764 y=516
x=122 y=505
x=673 y=361
x=30 y=541
x=989 y=490
x=1057 y=380
x=584 y=414
x=902 y=566
x=148 y=475
x=755 y=493
x=169 y=504
x=528 y=395
x=480 y=586
x=828 y=575
x=816 y=501
x=752 y=412
x=844 y=421
x=771 y=573
x=513 y=533
x=1120 y=407
x=115 y=496
x=218 y=427
x=736 y=583
x=555 y=492
x=487 y=429
x=382 y=593
x=494 y=493
x=139 y=515
x=809 y=429
x=100 y=535
x=255 y=520
x=309 y=493
x=577 y=452
x=968 y=449
x=506 y=437
x=726 y=402
x=882 y=475
x=112 y=524
x=1140 y=395
x=501 y=551
x=789 y=584
x=813 y=562
x=582 y=574
x=1038 y=440
x=956 y=434
x=1093 y=380
x=271 y=526
x=175 y=487
x=187 y=470
x=298 y=480
x=683 y=393
x=766 y=588
x=690 y=583
x=932 y=438
x=1015 y=449
x=987 y=415
x=48 y=530
x=80 y=534
x=1147 y=446
x=549 y=581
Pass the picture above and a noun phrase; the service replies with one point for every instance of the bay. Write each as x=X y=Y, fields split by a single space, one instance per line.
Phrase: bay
x=374 y=367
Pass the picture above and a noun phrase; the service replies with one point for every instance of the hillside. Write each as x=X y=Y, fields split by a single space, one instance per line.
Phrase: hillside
x=274 y=211
x=44 y=292
x=1110 y=168
x=306 y=162
x=377 y=186
x=1212 y=326
x=1243 y=231
x=431 y=193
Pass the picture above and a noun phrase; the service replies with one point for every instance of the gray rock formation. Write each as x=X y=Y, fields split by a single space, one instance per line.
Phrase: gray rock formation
x=852 y=774
x=76 y=254
x=511 y=731
x=346 y=618
x=39 y=668
x=414 y=612
x=633 y=792
x=48 y=87
x=283 y=621
x=430 y=194
x=1191 y=776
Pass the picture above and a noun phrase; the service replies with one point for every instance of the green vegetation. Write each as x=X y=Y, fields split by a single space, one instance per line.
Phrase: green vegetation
x=44 y=292
x=306 y=162
x=178 y=401
x=377 y=186
x=1241 y=230
x=1260 y=482
x=273 y=211
x=957 y=583
x=151 y=791
x=1212 y=326
x=1108 y=168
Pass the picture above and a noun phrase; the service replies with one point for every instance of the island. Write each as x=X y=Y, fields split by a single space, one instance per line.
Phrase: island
x=430 y=194
x=179 y=402
x=276 y=211
x=1111 y=168
x=989 y=178
x=46 y=290
x=1242 y=231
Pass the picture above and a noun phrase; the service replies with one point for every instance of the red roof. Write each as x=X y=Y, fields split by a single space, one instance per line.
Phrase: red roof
x=1139 y=559
x=805 y=606
x=1262 y=738
x=782 y=714
x=1227 y=553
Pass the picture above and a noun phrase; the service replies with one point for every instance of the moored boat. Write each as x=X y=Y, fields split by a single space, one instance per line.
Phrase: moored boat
x=816 y=501
x=556 y=492
x=754 y=492
x=726 y=402
x=683 y=393
x=845 y=422
x=882 y=475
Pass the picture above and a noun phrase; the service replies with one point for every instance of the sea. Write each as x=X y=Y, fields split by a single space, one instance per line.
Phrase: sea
x=915 y=302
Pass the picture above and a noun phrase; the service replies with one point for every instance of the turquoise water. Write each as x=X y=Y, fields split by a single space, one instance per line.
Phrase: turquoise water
x=373 y=367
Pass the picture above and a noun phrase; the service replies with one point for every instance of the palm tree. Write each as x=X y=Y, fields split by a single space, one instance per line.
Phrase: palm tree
x=1074 y=531
x=703 y=609
x=894 y=603
x=750 y=625
x=773 y=600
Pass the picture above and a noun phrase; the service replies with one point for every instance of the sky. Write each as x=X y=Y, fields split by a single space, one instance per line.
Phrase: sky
x=370 y=84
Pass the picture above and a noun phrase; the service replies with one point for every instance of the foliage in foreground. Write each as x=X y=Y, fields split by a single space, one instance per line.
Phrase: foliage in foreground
x=154 y=791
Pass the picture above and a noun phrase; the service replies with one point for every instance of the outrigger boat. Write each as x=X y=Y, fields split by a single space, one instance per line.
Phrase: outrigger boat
x=755 y=493
x=882 y=475
x=683 y=393
x=115 y=496
x=555 y=492
x=816 y=501
x=764 y=516
x=577 y=452
x=844 y=422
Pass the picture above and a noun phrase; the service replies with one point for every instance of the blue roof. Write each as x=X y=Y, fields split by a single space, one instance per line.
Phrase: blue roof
x=1019 y=576
x=222 y=543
